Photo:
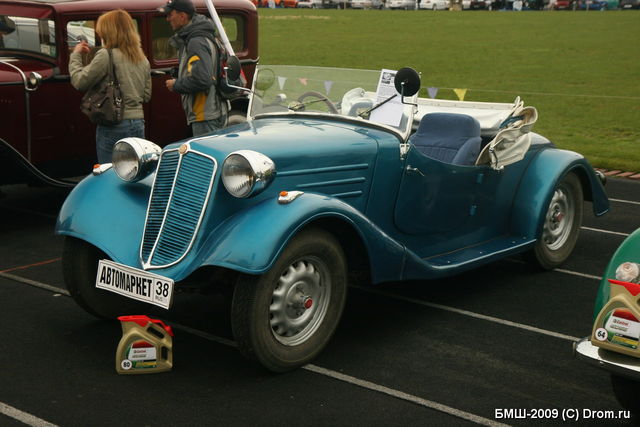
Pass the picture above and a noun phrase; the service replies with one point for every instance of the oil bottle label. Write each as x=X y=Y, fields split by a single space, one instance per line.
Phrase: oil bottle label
x=622 y=328
x=140 y=355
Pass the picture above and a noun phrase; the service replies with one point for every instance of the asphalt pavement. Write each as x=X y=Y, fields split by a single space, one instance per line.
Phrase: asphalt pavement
x=478 y=348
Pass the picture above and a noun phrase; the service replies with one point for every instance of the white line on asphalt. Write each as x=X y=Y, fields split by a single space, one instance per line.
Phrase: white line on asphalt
x=34 y=283
x=404 y=396
x=470 y=314
x=201 y=334
x=357 y=382
x=23 y=417
x=322 y=371
x=575 y=273
x=631 y=202
x=598 y=230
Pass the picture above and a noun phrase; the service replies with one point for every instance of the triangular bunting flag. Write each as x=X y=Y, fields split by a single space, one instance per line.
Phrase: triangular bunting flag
x=281 y=81
x=327 y=86
x=461 y=93
x=303 y=81
x=433 y=91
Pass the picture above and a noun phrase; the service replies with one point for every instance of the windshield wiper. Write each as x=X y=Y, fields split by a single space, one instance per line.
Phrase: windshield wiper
x=366 y=112
x=296 y=105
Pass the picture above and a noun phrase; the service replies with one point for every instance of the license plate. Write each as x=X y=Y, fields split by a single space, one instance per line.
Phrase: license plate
x=134 y=283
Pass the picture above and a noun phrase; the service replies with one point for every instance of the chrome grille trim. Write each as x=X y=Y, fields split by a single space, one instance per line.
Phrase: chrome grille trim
x=172 y=204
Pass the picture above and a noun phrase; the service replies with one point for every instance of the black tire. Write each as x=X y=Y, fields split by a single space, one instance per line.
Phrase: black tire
x=626 y=392
x=561 y=228
x=79 y=267
x=268 y=317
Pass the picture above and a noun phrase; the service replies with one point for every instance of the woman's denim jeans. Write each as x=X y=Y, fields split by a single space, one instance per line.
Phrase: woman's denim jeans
x=107 y=136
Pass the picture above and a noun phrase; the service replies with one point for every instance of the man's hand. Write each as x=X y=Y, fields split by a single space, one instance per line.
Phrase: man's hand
x=169 y=83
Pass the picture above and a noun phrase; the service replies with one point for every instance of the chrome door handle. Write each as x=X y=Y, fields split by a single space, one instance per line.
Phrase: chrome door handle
x=411 y=169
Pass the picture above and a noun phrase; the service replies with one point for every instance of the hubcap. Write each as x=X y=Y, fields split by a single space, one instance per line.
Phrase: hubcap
x=299 y=301
x=559 y=220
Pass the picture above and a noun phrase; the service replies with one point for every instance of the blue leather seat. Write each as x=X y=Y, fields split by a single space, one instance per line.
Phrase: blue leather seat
x=450 y=138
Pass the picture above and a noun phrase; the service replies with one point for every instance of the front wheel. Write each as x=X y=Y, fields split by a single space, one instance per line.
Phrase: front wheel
x=561 y=225
x=284 y=318
x=79 y=268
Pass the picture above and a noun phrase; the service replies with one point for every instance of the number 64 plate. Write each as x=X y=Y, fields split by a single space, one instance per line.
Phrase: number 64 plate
x=134 y=283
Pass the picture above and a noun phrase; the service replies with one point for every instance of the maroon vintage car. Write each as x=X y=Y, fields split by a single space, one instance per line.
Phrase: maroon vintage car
x=43 y=134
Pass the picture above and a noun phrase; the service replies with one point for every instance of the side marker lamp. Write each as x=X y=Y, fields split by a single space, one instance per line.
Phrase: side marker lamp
x=287 y=197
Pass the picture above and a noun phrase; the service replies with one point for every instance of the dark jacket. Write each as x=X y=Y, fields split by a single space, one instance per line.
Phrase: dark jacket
x=196 y=80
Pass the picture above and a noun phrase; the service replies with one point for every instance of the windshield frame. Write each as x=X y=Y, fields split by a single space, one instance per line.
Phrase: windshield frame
x=401 y=134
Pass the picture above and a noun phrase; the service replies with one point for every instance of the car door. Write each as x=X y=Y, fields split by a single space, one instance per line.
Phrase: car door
x=443 y=207
x=434 y=197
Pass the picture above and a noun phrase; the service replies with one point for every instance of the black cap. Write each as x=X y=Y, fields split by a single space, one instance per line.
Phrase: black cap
x=185 y=6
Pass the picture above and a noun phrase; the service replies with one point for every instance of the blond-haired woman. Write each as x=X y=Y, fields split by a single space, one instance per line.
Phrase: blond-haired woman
x=119 y=34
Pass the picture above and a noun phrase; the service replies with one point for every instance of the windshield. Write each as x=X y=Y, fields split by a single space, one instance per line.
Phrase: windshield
x=338 y=92
x=29 y=34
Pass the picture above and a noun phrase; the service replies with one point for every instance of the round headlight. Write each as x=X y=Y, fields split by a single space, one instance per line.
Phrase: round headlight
x=135 y=158
x=246 y=173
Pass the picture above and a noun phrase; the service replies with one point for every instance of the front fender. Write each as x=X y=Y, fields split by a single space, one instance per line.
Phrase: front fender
x=107 y=213
x=539 y=182
x=252 y=240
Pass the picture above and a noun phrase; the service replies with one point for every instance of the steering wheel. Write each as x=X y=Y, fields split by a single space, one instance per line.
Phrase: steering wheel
x=320 y=96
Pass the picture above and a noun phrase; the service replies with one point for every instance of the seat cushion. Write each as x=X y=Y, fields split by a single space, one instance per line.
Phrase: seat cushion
x=449 y=138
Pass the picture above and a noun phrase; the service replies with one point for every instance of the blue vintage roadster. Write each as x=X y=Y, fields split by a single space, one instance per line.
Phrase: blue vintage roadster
x=338 y=175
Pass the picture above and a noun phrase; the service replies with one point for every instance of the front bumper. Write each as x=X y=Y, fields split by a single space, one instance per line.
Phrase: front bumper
x=616 y=363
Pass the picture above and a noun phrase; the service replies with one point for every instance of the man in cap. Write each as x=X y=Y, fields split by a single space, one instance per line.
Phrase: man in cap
x=196 y=81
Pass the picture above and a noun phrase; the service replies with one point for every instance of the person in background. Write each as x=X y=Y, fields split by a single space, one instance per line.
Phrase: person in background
x=118 y=33
x=7 y=26
x=206 y=111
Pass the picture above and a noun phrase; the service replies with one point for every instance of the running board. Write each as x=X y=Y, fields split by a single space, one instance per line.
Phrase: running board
x=480 y=254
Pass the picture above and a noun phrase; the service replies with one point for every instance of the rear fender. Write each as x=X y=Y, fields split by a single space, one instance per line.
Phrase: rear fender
x=539 y=182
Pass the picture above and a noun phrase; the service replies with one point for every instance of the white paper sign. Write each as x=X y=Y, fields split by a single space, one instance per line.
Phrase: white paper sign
x=391 y=112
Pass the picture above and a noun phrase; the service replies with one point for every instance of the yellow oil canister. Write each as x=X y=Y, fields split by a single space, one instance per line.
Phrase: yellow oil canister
x=145 y=346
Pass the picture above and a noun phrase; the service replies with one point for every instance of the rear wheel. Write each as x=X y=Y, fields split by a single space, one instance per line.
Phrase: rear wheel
x=79 y=267
x=284 y=318
x=561 y=225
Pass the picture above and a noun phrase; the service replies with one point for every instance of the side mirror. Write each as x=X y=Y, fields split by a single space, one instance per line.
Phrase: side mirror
x=233 y=68
x=407 y=81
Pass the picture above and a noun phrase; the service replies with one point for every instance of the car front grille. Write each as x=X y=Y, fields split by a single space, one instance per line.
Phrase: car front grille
x=178 y=200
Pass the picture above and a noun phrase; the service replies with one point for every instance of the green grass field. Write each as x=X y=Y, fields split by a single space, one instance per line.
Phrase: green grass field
x=581 y=70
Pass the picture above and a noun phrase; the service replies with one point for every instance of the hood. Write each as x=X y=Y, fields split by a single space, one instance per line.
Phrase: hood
x=296 y=143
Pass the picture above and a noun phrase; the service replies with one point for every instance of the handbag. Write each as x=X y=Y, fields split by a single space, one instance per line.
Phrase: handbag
x=103 y=102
